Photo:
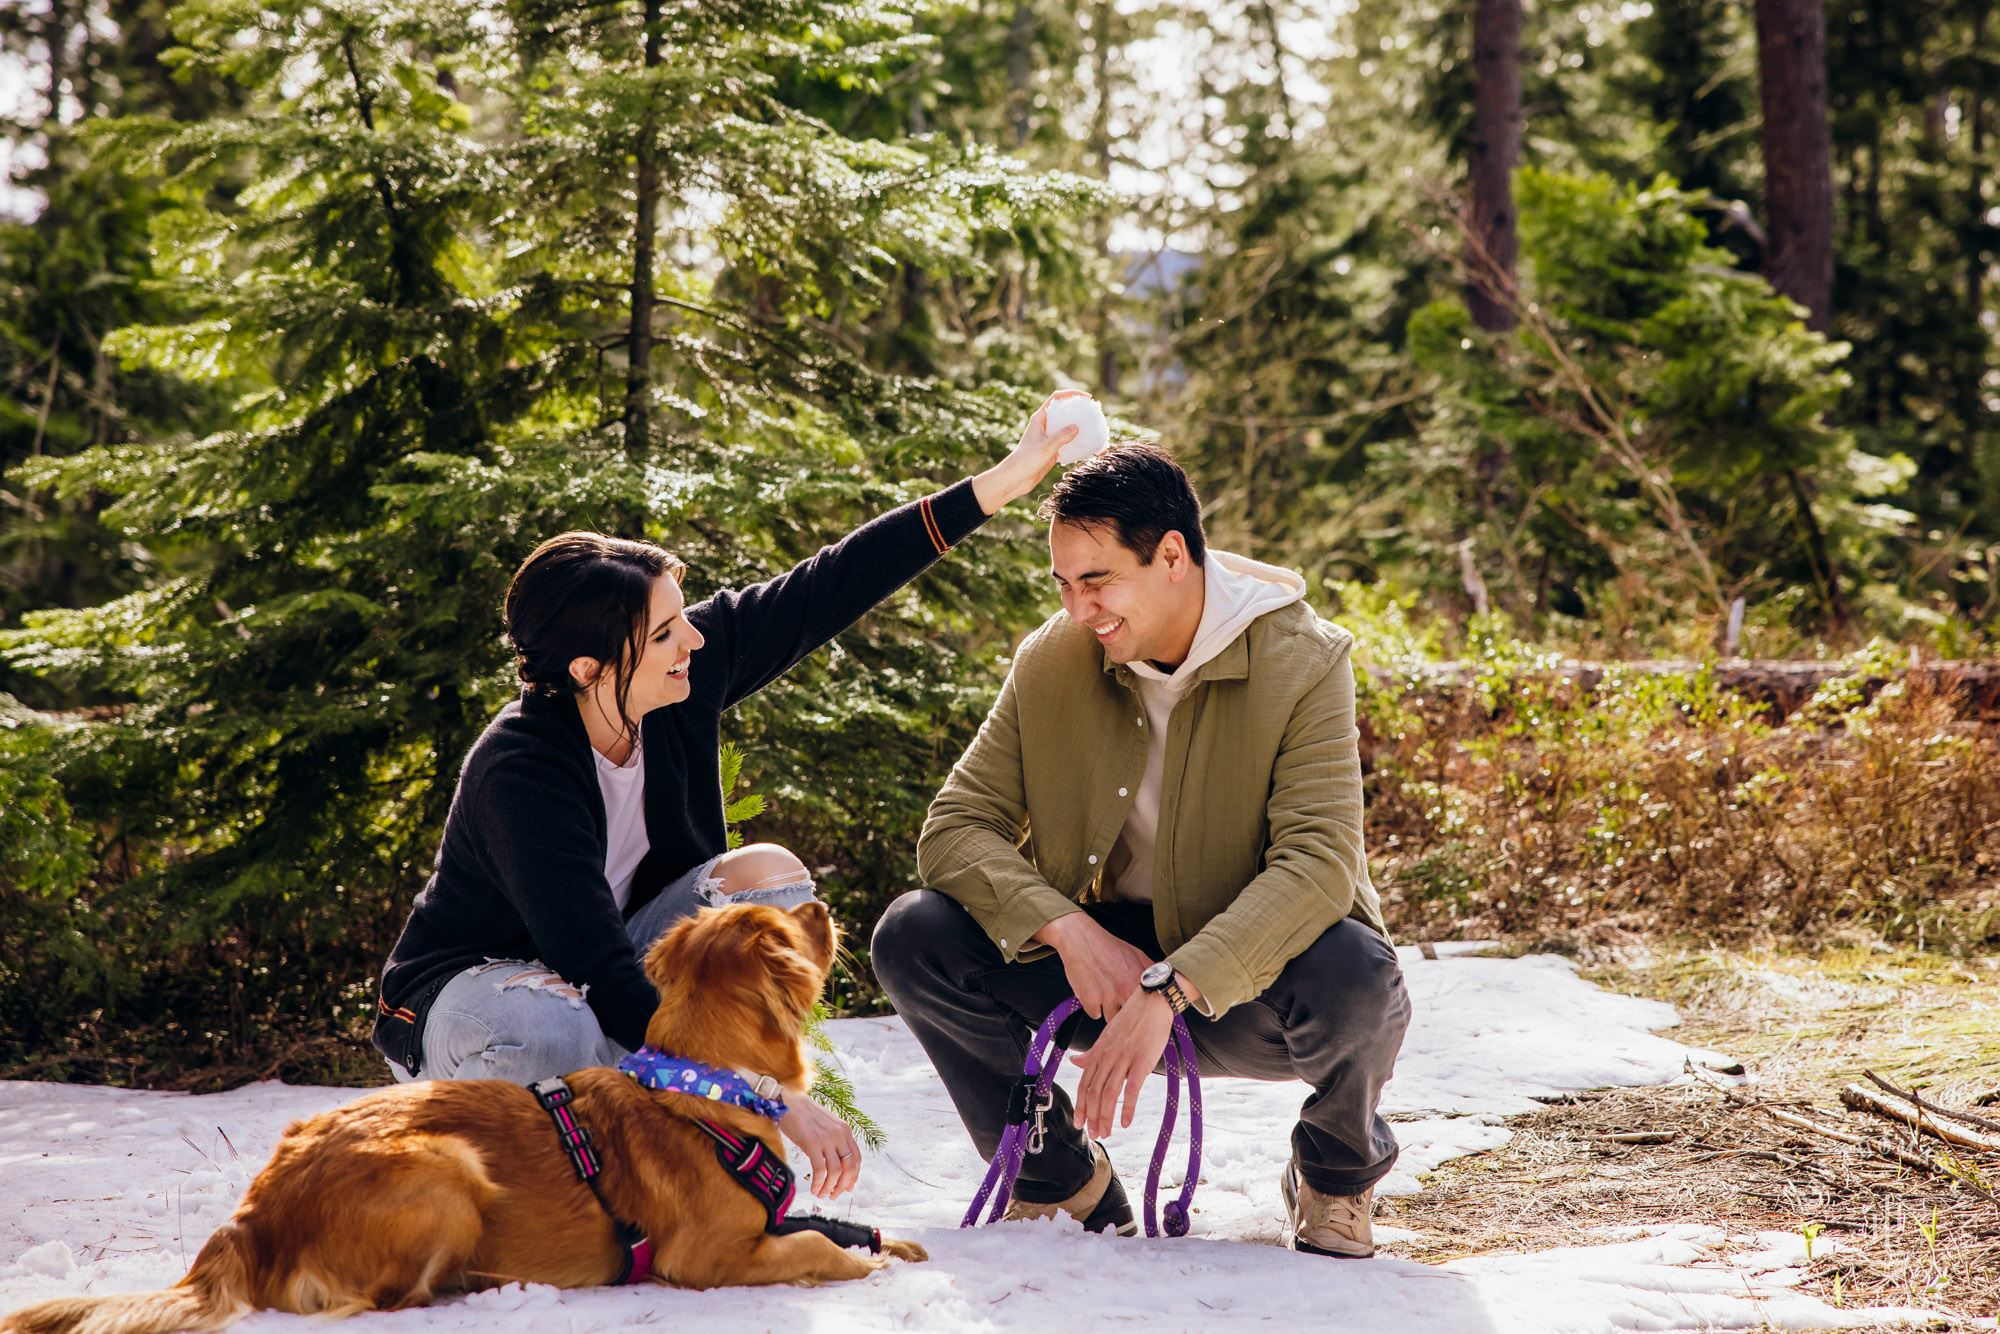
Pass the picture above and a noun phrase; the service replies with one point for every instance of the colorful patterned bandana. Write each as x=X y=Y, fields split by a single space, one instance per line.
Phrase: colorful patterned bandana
x=673 y=1074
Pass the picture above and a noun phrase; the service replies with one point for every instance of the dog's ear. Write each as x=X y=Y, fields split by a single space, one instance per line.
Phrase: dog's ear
x=816 y=927
x=791 y=962
x=664 y=960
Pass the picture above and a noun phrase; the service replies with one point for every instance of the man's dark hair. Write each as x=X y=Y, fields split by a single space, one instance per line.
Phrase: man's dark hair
x=1138 y=492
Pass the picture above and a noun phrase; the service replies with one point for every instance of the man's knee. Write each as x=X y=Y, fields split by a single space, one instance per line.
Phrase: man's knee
x=905 y=942
x=758 y=866
x=1350 y=969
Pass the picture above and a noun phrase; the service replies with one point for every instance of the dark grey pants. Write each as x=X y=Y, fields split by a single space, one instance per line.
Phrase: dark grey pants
x=1334 y=1018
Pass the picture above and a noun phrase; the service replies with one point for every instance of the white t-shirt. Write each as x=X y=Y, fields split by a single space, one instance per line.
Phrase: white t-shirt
x=625 y=841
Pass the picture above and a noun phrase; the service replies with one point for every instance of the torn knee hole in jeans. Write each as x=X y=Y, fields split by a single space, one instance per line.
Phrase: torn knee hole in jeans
x=715 y=891
x=527 y=977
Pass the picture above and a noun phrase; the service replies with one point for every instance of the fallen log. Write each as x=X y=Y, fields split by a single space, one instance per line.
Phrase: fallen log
x=1868 y=1100
x=1972 y=1139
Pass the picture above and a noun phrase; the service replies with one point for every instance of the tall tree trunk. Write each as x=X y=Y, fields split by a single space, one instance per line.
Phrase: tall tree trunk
x=1496 y=147
x=1971 y=393
x=645 y=227
x=1020 y=67
x=1267 y=19
x=1798 y=153
x=1100 y=155
x=55 y=35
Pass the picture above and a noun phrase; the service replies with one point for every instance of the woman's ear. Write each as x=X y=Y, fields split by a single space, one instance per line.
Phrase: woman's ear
x=584 y=671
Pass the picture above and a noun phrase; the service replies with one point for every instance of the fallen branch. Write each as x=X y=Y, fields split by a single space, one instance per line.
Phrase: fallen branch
x=1964 y=1118
x=1880 y=1148
x=1921 y=1116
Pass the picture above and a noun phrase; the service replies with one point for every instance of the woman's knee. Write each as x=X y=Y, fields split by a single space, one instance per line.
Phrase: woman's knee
x=523 y=1023
x=757 y=866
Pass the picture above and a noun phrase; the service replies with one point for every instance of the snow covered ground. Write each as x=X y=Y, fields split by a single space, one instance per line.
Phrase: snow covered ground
x=105 y=1190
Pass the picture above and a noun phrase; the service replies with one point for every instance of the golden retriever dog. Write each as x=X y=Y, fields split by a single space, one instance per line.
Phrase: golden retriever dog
x=429 y=1188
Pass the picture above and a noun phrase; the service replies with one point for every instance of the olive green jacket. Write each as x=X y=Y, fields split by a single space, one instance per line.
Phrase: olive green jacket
x=1259 y=850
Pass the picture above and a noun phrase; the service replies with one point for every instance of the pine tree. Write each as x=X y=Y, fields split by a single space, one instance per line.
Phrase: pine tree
x=426 y=240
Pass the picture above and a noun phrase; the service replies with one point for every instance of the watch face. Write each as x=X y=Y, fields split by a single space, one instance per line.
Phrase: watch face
x=1156 y=976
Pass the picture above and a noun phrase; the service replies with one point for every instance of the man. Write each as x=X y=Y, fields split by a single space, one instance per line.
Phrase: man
x=1178 y=749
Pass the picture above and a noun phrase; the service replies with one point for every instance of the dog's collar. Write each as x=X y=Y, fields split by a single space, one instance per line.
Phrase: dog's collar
x=676 y=1074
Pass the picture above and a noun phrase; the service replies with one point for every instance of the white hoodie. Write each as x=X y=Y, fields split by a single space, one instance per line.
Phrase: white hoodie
x=1236 y=591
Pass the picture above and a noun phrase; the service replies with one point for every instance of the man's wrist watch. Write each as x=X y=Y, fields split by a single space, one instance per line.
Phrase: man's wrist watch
x=1161 y=980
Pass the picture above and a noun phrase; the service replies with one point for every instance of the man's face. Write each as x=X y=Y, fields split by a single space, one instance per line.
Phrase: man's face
x=1129 y=606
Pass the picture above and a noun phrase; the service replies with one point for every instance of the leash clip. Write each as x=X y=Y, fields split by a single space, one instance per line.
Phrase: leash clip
x=1041 y=1108
x=1028 y=1104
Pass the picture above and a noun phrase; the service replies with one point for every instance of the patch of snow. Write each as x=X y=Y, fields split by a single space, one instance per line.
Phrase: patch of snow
x=115 y=1190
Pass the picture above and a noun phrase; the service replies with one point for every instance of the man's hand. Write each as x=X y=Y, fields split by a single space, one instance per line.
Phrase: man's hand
x=1103 y=971
x=1022 y=471
x=828 y=1143
x=1121 y=1059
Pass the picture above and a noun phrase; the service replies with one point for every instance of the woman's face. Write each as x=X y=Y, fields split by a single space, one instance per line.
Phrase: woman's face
x=660 y=677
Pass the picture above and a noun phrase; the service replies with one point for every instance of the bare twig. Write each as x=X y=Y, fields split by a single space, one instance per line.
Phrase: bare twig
x=1920 y=1116
x=1965 y=1118
x=1894 y=1153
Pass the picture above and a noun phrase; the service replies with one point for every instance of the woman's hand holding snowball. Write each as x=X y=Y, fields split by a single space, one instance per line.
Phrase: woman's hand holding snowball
x=1023 y=469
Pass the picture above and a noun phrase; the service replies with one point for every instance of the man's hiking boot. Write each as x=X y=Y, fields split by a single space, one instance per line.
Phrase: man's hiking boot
x=1327 y=1224
x=1099 y=1206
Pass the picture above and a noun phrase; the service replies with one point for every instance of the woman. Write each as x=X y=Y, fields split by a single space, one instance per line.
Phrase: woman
x=588 y=816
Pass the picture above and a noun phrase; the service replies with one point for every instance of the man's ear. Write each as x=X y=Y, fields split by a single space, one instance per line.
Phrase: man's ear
x=1173 y=549
x=584 y=671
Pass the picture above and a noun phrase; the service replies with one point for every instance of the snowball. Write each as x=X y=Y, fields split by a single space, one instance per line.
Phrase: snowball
x=51 y=1258
x=1093 y=434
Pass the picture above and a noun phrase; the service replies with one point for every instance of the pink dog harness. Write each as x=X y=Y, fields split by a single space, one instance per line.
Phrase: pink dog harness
x=555 y=1097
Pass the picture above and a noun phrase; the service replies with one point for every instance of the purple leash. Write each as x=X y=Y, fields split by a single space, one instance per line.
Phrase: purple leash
x=1180 y=1051
x=1031 y=1098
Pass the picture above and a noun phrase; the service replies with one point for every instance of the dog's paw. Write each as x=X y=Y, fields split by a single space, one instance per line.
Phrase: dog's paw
x=904 y=1250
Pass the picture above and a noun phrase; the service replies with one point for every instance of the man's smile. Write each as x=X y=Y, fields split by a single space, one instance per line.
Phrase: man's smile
x=1106 y=629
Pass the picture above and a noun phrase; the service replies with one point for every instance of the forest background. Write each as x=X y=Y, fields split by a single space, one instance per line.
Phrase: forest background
x=1529 y=332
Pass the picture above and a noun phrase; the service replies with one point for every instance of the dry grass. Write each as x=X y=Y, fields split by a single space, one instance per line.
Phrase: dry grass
x=1804 y=1026
x=1662 y=803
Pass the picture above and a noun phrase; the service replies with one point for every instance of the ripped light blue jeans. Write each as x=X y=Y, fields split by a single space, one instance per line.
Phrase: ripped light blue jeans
x=516 y=1019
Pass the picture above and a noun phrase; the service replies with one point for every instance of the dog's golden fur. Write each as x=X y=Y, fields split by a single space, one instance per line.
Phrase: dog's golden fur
x=430 y=1188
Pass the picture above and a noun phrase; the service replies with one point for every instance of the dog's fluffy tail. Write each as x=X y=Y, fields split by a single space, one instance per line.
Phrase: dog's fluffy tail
x=215 y=1293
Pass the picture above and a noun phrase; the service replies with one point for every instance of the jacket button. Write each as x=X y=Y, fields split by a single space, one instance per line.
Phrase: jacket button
x=1121 y=791
x=1141 y=720
x=1093 y=859
x=1003 y=942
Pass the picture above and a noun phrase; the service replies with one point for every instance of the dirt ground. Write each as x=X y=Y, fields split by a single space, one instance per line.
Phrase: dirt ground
x=1803 y=1026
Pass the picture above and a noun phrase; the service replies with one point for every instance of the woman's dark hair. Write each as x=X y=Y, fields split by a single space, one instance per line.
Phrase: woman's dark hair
x=1137 y=491
x=585 y=595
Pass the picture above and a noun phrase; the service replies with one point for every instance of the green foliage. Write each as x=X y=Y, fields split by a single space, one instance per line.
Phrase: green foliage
x=1658 y=425
x=410 y=253
x=42 y=854
x=834 y=1090
x=735 y=809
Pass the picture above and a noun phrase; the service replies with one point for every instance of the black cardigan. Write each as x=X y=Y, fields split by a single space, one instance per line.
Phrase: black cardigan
x=520 y=872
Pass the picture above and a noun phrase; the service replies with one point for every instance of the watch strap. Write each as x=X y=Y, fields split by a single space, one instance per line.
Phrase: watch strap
x=1171 y=989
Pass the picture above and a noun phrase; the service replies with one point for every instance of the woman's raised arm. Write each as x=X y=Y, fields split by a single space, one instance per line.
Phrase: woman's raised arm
x=757 y=634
